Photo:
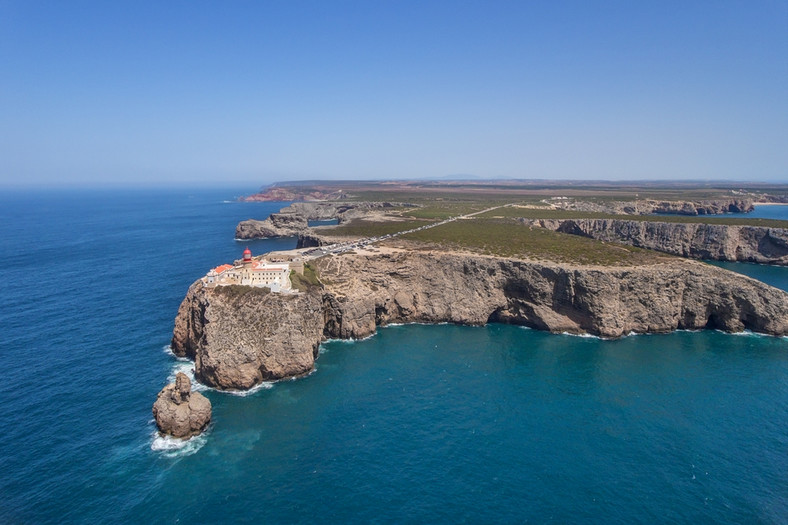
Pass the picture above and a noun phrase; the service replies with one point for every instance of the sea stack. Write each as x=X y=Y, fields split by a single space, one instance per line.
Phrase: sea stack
x=179 y=412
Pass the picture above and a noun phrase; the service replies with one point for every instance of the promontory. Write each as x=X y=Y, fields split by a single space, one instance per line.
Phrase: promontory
x=540 y=263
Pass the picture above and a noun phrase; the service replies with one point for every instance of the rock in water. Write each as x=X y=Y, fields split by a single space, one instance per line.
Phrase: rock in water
x=179 y=412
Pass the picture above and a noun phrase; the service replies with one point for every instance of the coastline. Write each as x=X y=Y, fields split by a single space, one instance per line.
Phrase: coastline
x=237 y=342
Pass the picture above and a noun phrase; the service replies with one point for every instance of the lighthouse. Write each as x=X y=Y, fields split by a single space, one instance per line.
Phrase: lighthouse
x=247 y=259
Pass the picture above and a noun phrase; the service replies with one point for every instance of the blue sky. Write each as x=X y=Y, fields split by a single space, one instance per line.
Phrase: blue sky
x=119 y=93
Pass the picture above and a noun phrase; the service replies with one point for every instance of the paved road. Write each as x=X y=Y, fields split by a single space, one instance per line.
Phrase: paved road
x=337 y=248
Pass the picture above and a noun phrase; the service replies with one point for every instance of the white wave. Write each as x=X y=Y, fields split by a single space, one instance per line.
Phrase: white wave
x=350 y=340
x=265 y=385
x=602 y=338
x=746 y=333
x=168 y=350
x=418 y=323
x=171 y=447
x=186 y=367
x=584 y=336
x=370 y=336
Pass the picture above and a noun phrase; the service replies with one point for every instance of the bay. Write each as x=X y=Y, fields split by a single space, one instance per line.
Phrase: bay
x=769 y=211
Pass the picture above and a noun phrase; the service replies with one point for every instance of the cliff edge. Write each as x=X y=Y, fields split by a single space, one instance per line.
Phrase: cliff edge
x=239 y=337
x=758 y=244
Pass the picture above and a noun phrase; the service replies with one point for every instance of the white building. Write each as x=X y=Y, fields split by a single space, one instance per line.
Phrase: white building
x=261 y=273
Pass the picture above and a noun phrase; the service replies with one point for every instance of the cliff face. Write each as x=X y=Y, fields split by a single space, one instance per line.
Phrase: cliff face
x=240 y=336
x=610 y=302
x=276 y=225
x=238 y=341
x=698 y=241
x=705 y=207
x=648 y=207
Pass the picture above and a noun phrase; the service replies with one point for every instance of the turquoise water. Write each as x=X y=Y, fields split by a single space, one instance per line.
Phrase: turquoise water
x=773 y=275
x=776 y=276
x=328 y=222
x=779 y=211
x=416 y=424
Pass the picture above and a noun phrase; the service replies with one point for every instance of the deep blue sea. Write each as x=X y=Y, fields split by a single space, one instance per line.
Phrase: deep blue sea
x=417 y=424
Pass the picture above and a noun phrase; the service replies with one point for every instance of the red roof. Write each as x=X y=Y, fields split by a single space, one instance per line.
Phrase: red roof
x=222 y=268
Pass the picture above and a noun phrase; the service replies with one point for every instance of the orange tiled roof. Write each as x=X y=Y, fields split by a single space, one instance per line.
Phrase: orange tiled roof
x=222 y=268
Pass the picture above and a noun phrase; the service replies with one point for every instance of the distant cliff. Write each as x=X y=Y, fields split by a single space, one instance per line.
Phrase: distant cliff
x=293 y=220
x=240 y=337
x=295 y=193
x=695 y=240
x=649 y=207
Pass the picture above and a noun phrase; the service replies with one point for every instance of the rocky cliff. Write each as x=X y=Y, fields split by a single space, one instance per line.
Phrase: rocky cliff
x=293 y=220
x=648 y=207
x=238 y=338
x=276 y=225
x=287 y=193
x=699 y=241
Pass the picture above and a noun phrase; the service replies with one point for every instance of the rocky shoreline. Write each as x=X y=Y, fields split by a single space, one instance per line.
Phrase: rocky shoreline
x=293 y=220
x=238 y=339
x=720 y=242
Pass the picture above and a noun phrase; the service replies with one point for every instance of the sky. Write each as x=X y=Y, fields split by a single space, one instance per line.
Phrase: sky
x=233 y=92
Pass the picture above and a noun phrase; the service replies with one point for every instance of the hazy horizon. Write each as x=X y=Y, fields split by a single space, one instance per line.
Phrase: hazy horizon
x=247 y=94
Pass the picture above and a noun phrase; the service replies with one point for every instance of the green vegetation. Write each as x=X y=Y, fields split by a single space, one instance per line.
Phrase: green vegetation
x=438 y=212
x=303 y=283
x=237 y=291
x=365 y=228
x=730 y=220
x=444 y=210
x=507 y=238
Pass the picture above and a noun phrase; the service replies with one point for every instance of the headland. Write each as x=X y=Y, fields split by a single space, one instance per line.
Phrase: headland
x=576 y=260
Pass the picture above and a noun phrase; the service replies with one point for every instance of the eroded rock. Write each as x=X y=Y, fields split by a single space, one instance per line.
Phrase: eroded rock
x=179 y=412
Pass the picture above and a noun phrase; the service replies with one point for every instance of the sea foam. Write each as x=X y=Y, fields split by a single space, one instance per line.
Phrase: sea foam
x=168 y=350
x=265 y=385
x=583 y=336
x=171 y=447
x=186 y=367
x=745 y=333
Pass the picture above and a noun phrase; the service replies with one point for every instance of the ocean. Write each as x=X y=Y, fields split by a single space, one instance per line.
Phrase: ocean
x=417 y=424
